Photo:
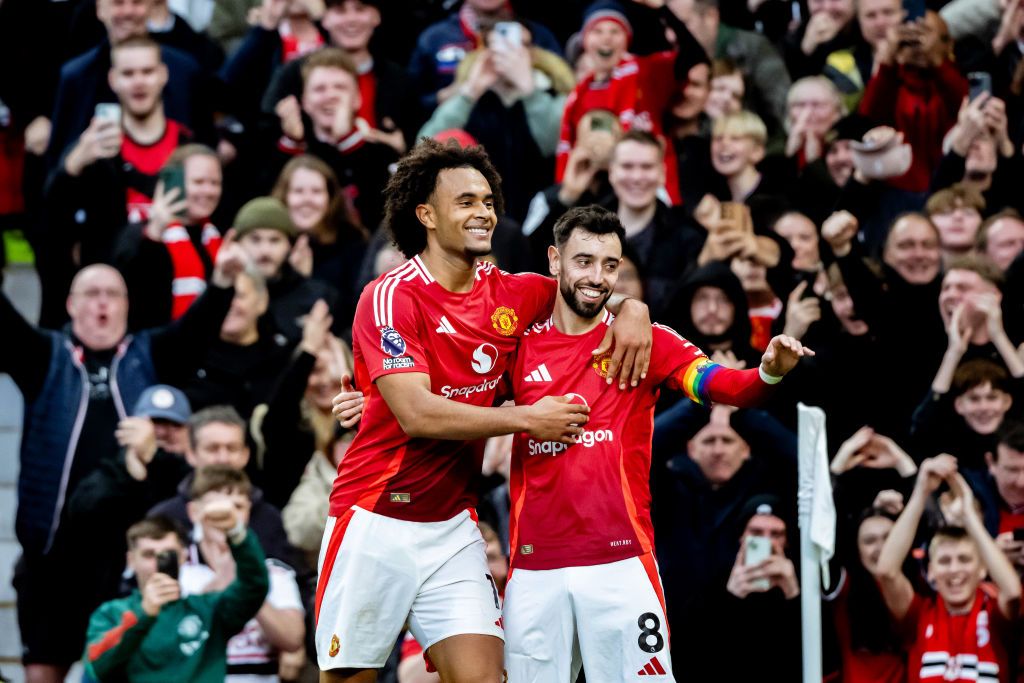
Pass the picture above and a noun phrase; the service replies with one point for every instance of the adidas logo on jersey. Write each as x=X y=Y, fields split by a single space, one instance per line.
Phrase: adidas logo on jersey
x=445 y=327
x=652 y=668
x=541 y=374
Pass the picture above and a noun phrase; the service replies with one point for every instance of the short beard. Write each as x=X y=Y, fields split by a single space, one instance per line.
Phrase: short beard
x=588 y=311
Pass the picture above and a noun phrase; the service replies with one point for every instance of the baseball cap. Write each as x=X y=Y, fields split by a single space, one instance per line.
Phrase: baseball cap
x=163 y=402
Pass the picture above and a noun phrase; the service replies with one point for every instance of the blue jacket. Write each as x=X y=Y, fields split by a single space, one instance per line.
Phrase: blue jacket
x=53 y=423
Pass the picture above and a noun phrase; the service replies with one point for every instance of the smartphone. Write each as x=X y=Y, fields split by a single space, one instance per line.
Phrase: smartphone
x=978 y=82
x=507 y=33
x=757 y=549
x=914 y=10
x=1018 y=533
x=167 y=563
x=173 y=176
x=109 y=111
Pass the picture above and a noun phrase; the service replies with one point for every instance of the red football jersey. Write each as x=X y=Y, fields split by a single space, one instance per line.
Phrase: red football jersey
x=406 y=322
x=590 y=503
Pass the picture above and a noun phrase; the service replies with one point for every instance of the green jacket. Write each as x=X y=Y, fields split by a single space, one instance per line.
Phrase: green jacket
x=187 y=640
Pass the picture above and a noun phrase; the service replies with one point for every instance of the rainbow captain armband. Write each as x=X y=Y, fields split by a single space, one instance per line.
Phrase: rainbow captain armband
x=697 y=379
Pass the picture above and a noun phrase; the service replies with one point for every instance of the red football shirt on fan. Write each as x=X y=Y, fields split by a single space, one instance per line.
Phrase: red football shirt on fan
x=145 y=162
x=590 y=503
x=406 y=322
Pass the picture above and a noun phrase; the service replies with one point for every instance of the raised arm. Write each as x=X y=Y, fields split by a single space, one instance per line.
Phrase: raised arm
x=24 y=350
x=999 y=567
x=896 y=589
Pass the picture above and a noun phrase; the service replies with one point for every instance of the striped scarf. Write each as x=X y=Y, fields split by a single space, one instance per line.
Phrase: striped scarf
x=189 y=272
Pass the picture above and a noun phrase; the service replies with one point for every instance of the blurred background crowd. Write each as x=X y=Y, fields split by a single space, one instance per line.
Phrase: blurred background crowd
x=200 y=183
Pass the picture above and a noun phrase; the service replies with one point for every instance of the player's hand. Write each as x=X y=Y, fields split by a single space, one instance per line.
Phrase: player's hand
x=348 y=405
x=557 y=418
x=782 y=355
x=630 y=339
x=160 y=589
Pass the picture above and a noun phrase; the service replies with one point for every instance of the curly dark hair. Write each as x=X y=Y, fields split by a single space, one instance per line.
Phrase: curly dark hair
x=414 y=182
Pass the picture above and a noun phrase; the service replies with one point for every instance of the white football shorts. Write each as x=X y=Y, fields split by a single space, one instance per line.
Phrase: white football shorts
x=377 y=573
x=609 y=618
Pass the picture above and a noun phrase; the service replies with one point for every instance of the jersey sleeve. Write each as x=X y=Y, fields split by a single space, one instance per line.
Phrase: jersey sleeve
x=387 y=331
x=538 y=296
x=685 y=368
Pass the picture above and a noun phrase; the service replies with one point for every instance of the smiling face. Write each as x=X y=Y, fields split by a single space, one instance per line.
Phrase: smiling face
x=732 y=153
x=587 y=268
x=325 y=378
x=307 y=198
x=123 y=18
x=203 y=183
x=351 y=24
x=137 y=76
x=955 y=569
x=635 y=173
x=327 y=88
x=912 y=250
x=459 y=215
x=983 y=407
x=605 y=44
x=98 y=307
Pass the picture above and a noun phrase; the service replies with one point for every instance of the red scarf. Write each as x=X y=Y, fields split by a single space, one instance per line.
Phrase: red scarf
x=955 y=647
x=189 y=273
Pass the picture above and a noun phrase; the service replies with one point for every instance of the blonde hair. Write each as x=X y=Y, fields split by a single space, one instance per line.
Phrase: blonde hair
x=742 y=124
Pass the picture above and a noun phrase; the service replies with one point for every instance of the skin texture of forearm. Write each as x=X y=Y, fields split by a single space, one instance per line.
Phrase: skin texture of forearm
x=999 y=567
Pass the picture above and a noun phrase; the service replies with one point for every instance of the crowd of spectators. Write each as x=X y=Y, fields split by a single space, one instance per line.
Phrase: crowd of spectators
x=201 y=183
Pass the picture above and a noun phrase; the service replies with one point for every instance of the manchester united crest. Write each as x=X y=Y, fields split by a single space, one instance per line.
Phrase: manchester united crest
x=335 y=645
x=505 y=321
x=600 y=364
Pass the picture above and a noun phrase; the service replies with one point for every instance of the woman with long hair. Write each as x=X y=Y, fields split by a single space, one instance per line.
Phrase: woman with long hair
x=331 y=241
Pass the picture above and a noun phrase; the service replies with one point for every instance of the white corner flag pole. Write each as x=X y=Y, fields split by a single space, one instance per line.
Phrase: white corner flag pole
x=816 y=517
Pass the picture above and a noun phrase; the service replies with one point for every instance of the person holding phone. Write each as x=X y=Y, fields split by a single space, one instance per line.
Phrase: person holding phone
x=918 y=90
x=157 y=633
x=167 y=261
x=109 y=174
